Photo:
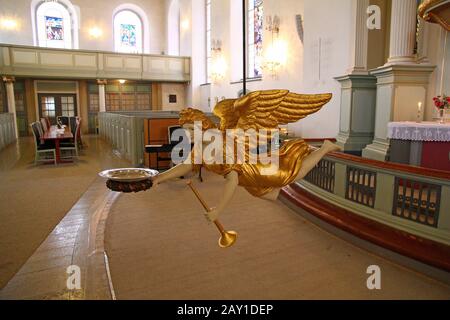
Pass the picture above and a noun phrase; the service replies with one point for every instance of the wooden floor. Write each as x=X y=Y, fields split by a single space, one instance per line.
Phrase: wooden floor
x=48 y=218
x=161 y=247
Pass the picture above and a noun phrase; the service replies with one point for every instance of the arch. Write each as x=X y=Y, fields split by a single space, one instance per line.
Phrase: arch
x=55 y=24
x=173 y=28
x=144 y=36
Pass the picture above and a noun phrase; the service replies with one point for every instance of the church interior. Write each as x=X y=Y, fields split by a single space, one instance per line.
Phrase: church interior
x=355 y=95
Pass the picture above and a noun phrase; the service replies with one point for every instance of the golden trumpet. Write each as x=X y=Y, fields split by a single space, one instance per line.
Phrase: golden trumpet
x=227 y=238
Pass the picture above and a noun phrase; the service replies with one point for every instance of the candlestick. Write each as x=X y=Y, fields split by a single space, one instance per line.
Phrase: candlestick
x=419 y=112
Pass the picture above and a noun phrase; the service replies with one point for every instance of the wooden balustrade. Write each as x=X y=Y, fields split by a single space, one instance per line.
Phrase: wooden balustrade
x=7 y=130
x=381 y=202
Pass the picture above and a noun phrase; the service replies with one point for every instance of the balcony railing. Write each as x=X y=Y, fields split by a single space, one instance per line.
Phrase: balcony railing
x=412 y=199
x=31 y=61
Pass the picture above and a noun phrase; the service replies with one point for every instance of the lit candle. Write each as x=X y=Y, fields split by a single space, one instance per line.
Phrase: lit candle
x=419 y=112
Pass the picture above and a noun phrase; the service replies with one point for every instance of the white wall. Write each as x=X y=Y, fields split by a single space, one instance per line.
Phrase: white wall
x=328 y=20
x=440 y=78
x=192 y=43
x=173 y=28
x=92 y=13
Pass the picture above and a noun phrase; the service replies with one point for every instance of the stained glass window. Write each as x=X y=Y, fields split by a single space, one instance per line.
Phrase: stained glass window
x=255 y=37
x=128 y=35
x=54 y=28
x=127 y=32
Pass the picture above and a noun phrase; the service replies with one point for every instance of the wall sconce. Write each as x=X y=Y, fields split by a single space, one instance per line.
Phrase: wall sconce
x=276 y=53
x=218 y=65
x=216 y=46
x=185 y=24
x=275 y=57
x=95 y=32
x=273 y=24
x=218 y=68
x=9 y=24
x=122 y=81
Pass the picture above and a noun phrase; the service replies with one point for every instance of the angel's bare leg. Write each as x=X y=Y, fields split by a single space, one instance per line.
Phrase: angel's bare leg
x=313 y=159
x=308 y=164
x=272 y=195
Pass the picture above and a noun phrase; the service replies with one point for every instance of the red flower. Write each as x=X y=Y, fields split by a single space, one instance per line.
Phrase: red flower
x=448 y=99
x=436 y=103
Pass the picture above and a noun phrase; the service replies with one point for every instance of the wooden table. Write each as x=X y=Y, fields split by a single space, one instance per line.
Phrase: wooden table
x=53 y=135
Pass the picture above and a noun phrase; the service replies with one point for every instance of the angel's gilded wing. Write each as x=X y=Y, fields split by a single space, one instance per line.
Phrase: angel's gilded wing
x=227 y=114
x=268 y=109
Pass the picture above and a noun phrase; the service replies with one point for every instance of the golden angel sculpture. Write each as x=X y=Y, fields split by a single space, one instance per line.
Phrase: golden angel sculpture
x=259 y=110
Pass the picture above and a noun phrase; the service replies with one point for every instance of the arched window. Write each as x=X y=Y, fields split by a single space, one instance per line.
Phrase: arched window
x=255 y=37
x=55 y=25
x=128 y=33
x=173 y=29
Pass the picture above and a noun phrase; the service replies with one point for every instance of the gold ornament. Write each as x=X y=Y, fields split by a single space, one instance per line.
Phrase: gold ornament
x=262 y=110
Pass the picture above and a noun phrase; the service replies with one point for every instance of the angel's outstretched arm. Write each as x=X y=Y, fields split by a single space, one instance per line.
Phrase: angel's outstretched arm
x=178 y=171
x=232 y=181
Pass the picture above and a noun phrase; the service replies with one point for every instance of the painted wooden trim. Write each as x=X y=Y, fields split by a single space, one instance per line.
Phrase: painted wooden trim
x=440 y=174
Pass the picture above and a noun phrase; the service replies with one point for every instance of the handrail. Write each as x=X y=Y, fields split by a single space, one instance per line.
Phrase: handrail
x=420 y=171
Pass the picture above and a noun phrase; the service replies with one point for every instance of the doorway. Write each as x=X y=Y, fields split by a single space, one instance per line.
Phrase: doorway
x=53 y=105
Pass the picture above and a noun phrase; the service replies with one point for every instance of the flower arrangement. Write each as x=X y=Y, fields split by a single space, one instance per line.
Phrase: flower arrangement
x=441 y=102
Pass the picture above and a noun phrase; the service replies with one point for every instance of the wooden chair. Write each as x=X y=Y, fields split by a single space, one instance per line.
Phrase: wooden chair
x=72 y=147
x=42 y=149
x=45 y=125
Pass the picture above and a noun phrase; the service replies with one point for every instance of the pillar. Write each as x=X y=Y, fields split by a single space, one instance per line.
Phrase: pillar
x=358 y=89
x=360 y=37
x=402 y=82
x=403 y=31
x=101 y=95
x=9 y=84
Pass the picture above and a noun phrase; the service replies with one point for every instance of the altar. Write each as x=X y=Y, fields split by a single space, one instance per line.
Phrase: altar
x=425 y=144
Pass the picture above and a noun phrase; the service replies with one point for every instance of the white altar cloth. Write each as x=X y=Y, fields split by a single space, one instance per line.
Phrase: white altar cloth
x=419 y=131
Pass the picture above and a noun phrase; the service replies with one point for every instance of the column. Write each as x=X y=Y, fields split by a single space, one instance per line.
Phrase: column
x=9 y=83
x=358 y=89
x=401 y=83
x=360 y=38
x=101 y=94
x=403 y=31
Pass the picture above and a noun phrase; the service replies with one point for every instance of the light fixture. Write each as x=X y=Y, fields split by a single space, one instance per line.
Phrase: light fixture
x=185 y=24
x=218 y=64
x=95 y=32
x=122 y=81
x=218 y=68
x=9 y=24
x=216 y=46
x=273 y=24
x=276 y=53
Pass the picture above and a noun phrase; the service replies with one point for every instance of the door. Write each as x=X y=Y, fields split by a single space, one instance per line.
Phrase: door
x=53 y=105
